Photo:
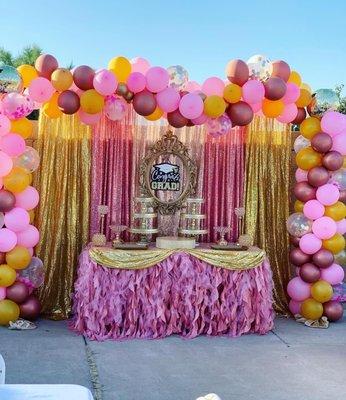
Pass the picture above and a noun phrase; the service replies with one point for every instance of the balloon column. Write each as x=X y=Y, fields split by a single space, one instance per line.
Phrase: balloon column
x=318 y=226
x=20 y=272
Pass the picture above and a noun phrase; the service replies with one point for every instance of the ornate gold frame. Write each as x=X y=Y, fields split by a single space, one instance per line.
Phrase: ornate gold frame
x=168 y=144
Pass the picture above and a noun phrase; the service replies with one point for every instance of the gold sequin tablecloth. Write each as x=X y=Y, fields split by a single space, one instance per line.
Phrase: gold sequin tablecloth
x=141 y=259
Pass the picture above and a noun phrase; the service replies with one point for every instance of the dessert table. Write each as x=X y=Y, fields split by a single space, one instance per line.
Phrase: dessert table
x=123 y=294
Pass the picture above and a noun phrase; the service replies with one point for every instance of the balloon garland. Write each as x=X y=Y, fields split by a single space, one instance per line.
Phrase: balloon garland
x=256 y=87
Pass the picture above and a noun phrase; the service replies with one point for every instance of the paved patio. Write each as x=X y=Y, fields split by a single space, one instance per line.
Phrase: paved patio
x=292 y=362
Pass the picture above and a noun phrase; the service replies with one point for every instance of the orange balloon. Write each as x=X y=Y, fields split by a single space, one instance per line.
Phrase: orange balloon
x=298 y=206
x=304 y=99
x=23 y=126
x=272 y=109
x=309 y=127
x=17 y=180
x=336 y=211
x=232 y=93
x=308 y=158
x=335 y=244
x=157 y=114
x=51 y=108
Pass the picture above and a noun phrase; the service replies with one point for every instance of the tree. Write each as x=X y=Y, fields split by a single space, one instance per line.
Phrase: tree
x=342 y=99
x=27 y=56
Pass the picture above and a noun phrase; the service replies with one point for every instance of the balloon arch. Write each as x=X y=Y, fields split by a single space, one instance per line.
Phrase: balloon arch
x=256 y=87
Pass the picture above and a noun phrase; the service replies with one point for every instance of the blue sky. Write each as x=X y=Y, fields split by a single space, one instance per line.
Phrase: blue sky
x=200 y=35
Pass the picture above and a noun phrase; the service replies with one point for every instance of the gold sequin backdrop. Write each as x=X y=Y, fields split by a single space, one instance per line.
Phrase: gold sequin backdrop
x=267 y=194
x=63 y=181
x=62 y=217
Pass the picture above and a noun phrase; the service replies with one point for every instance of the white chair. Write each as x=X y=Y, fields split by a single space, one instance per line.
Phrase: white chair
x=2 y=370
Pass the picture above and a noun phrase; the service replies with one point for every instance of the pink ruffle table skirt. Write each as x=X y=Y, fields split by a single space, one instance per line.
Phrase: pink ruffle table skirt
x=180 y=295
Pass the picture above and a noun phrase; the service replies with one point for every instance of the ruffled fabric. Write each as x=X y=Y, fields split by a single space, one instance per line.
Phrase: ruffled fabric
x=181 y=295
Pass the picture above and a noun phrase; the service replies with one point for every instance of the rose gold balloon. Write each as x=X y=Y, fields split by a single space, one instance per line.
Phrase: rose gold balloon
x=144 y=103
x=304 y=192
x=122 y=89
x=318 y=176
x=237 y=72
x=18 y=292
x=321 y=142
x=83 y=77
x=45 y=65
x=275 y=88
x=323 y=258
x=7 y=200
x=333 y=310
x=176 y=120
x=300 y=116
x=333 y=160
x=281 y=69
x=309 y=273
x=68 y=102
x=298 y=257
x=240 y=113
x=31 y=308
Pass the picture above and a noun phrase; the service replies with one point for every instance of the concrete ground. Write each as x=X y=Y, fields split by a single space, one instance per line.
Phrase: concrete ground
x=292 y=362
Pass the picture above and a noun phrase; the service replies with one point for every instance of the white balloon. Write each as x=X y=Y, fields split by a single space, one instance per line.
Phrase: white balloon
x=300 y=143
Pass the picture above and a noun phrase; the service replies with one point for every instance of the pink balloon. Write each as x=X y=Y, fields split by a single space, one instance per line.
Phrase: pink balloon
x=253 y=91
x=298 y=290
x=8 y=240
x=105 y=82
x=339 y=143
x=310 y=244
x=17 y=219
x=327 y=194
x=324 y=227
x=256 y=107
x=334 y=274
x=289 y=114
x=192 y=86
x=41 y=90
x=115 y=108
x=6 y=164
x=31 y=250
x=341 y=226
x=168 y=100
x=140 y=64
x=89 y=119
x=2 y=293
x=292 y=93
x=301 y=175
x=28 y=237
x=213 y=86
x=5 y=125
x=333 y=123
x=157 y=79
x=200 y=120
x=28 y=198
x=1 y=183
x=12 y=144
x=191 y=106
x=136 y=82
x=294 y=307
x=313 y=209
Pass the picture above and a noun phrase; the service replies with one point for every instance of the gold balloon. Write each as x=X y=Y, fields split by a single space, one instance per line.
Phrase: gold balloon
x=304 y=98
x=295 y=78
x=214 y=106
x=309 y=127
x=62 y=79
x=9 y=311
x=91 y=101
x=308 y=158
x=311 y=309
x=7 y=275
x=298 y=206
x=321 y=291
x=32 y=215
x=18 y=258
x=335 y=244
x=121 y=68
x=232 y=93
x=336 y=211
x=17 y=180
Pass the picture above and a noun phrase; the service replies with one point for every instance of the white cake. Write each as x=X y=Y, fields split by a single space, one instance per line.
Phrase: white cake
x=171 y=242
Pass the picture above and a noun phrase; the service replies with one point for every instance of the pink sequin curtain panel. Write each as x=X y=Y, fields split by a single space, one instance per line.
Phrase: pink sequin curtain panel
x=117 y=149
x=111 y=172
x=223 y=185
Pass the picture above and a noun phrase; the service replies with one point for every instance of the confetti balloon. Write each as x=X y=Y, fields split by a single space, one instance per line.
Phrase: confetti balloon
x=16 y=105
x=10 y=80
x=339 y=177
x=34 y=272
x=29 y=160
x=298 y=224
x=219 y=126
x=323 y=100
x=115 y=108
x=178 y=76
x=259 y=67
x=300 y=143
